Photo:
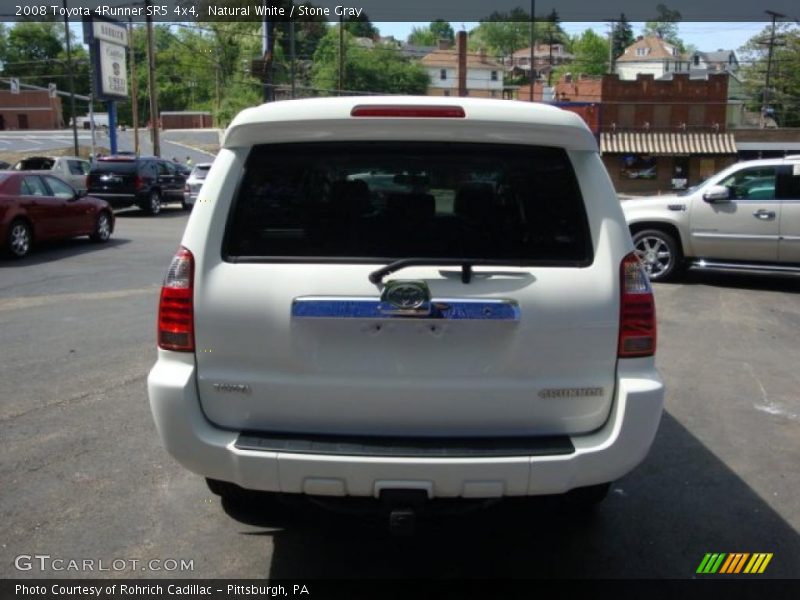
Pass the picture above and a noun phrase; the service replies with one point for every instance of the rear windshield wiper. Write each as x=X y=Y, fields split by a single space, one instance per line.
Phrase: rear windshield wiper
x=466 y=265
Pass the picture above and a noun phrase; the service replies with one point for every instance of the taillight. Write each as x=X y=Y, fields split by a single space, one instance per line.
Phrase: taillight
x=637 y=318
x=176 y=308
x=138 y=182
x=411 y=111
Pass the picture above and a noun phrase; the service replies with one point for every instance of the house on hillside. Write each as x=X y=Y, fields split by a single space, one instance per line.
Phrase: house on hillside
x=720 y=61
x=651 y=55
x=546 y=57
x=484 y=76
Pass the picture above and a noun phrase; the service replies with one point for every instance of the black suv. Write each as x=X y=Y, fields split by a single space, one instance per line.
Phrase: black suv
x=147 y=182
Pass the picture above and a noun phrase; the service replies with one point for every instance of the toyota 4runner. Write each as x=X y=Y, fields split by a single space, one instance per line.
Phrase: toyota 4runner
x=384 y=296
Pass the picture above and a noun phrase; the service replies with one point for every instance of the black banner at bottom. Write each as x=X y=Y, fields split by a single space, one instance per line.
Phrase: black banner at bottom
x=228 y=589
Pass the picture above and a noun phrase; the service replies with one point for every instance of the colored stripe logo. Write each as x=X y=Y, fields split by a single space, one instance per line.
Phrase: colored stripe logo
x=734 y=563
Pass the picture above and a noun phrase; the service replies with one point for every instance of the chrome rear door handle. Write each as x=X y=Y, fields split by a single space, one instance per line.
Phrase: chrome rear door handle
x=764 y=215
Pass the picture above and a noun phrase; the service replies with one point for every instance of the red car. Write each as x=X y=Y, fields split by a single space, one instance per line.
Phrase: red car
x=36 y=207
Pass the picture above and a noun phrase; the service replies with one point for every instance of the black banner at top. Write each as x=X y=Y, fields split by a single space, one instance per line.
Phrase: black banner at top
x=395 y=10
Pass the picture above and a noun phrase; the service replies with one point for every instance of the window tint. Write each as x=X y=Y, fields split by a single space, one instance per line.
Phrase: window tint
x=115 y=166
x=789 y=182
x=757 y=183
x=374 y=201
x=59 y=188
x=34 y=186
x=200 y=172
x=35 y=164
x=78 y=167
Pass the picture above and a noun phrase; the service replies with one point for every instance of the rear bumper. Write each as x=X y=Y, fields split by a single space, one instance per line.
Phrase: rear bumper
x=602 y=456
x=116 y=200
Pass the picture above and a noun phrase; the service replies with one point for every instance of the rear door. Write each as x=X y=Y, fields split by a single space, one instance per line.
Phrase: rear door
x=290 y=319
x=789 y=197
x=168 y=181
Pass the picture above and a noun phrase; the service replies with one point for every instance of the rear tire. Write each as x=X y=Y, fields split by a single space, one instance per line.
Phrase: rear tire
x=586 y=498
x=659 y=253
x=153 y=206
x=19 y=239
x=185 y=206
x=227 y=490
x=102 y=228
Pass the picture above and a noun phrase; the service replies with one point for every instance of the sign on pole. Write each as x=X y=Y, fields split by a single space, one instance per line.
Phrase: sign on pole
x=51 y=88
x=113 y=70
x=14 y=86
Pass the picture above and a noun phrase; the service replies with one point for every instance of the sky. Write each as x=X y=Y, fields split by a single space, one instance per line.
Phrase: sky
x=703 y=35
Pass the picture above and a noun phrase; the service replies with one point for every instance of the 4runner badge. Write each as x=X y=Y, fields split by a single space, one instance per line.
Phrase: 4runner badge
x=405 y=298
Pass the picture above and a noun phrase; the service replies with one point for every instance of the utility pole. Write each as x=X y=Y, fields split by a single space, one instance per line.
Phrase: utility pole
x=341 y=55
x=532 y=42
x=612 y=26
x=134 y=91
x=151 y=63
x=71 y=82
x=292 y=57
x=765 y=105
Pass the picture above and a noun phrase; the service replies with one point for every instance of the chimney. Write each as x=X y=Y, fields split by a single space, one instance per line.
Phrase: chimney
x=445 y=44
x=482 y=54
x=639 y=38
x=461 y=51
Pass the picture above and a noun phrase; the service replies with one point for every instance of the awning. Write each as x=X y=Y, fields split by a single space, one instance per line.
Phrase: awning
x=666 y=144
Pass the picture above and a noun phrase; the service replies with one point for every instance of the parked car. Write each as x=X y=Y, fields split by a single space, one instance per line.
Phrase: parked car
x=4 y=165
x=35 y=208
x=745 y=218
x=71 y=169
x=147 y=182
x=194 y=183
x=491 y=336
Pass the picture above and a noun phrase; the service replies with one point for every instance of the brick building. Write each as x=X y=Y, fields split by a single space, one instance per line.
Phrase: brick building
x=654 y=134
x=186 y=119
x=30 y=109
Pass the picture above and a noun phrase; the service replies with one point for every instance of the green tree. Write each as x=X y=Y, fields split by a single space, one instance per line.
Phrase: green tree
x=784 y=89
x=379 y=70
x=623 y=35
x=360 y=26
x=502 y=34
x=430 y=35
x=591 y=56
x=665 y=26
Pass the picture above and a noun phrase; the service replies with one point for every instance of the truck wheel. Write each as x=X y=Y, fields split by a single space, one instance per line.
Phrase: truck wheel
x=153 y=206
x=659 y=253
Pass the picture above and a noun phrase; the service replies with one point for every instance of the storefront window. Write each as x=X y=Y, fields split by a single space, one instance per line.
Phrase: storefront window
x=639 y=166
x=680 y=173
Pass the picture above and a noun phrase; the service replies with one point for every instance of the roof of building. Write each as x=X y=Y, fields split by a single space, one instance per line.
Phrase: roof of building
x=542 y=50
x=449 y=58
x=718 y=56
x=655 y=48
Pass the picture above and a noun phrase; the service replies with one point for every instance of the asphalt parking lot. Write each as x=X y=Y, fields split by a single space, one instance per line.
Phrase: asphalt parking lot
x=83 y=474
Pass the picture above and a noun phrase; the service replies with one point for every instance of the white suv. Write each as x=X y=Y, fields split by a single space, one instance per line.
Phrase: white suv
x=477 y=326
x=745 y=218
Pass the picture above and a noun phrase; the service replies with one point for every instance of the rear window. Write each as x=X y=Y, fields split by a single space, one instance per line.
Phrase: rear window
x=200 y=172
x=34 y=164
x=114 y=166
x=369 y=201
